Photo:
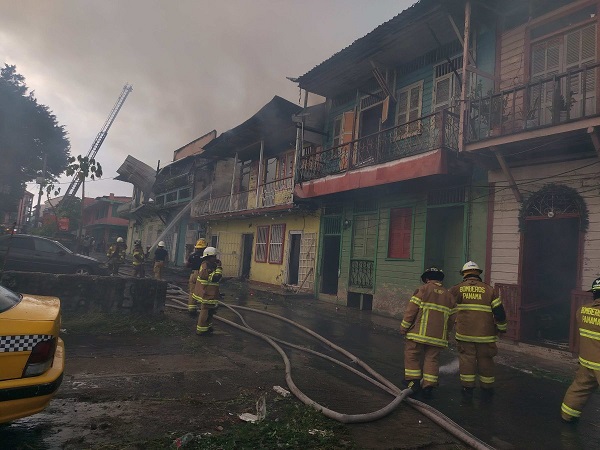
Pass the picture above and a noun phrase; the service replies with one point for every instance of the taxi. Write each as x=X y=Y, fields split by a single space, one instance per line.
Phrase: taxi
x=32 y=355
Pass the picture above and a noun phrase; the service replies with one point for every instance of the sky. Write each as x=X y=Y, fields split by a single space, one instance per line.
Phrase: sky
x=195 y=65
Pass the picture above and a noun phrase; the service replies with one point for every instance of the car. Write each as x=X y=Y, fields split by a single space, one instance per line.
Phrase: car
x=32 y=355
x=28 y=253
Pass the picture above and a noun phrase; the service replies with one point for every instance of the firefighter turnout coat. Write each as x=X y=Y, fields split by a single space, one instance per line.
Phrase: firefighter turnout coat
x=479 y=312
x=426 y=318
x=206 y=292
x=587 y=377
x=479 y=317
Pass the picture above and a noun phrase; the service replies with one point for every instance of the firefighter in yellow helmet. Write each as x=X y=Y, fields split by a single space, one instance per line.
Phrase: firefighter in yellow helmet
x=479 y=317
x=206 y=291
x=425 y=323
x=193 y=262
x=587 y=377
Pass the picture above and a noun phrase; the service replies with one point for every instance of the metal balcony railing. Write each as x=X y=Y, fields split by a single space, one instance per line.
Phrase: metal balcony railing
x=361 y=273
x=544 y=102
x=434 y=131
x=278 y=192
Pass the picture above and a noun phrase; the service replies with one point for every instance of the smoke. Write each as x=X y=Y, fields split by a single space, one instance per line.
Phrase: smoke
x=194 y=65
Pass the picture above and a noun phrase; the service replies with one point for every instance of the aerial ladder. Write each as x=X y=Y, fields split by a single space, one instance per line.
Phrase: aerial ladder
x=76 y=182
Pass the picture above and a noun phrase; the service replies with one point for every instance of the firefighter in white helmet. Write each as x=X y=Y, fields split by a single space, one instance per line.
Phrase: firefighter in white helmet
x=425 y=323
x=161 y=257
x=588 y=372
x=479 y=317
x=116 y=255
x=193 y=262
x=206 y=291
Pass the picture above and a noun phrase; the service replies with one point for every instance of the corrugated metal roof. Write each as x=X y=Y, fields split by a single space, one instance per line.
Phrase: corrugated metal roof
x=399 y=40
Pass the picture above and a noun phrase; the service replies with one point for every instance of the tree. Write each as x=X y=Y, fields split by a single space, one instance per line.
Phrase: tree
x=28 y=132
x=84 y=167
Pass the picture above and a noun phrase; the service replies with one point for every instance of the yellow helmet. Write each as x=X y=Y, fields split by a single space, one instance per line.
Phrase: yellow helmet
x=201 y=243
x=471 y=267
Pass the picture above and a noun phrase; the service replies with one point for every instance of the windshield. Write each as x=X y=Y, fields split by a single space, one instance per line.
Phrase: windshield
x=8 y=299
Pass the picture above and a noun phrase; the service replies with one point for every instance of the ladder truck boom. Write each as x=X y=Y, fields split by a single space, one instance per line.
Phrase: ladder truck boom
x=76 y=182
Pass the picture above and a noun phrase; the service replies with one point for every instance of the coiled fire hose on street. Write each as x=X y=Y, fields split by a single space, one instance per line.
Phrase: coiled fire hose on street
x=178 y=296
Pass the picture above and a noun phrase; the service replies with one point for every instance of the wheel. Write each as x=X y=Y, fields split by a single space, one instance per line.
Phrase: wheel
x=82 y=270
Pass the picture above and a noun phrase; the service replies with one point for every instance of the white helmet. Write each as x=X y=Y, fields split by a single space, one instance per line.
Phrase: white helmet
x=119 y=239
x=161 y=244
x=209 y=251
x=471 y=267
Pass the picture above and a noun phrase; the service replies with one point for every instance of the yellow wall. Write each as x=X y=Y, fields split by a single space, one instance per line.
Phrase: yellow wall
x=230 y=243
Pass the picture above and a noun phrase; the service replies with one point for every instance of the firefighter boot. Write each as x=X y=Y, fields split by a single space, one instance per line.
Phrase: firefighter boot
x=467 y=394
x=487 y=394
x=427 y=392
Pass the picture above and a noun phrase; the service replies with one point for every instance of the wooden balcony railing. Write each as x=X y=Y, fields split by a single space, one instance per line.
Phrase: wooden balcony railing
x=278 y=192
x=545 y=102
x=438 y=130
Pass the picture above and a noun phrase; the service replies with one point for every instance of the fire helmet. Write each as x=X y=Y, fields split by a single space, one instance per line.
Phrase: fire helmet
x=433 y=273
x=161 y=244
x=470 y=268
x=119 y=239
x=209 y=251
x=595 y=286
x=201 y=243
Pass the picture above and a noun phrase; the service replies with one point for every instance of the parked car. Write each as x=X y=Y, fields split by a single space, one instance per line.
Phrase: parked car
x=29 y=253
x=32 y=355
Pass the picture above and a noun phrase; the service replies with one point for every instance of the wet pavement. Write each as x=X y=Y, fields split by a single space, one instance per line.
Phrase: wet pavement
x=524 y=412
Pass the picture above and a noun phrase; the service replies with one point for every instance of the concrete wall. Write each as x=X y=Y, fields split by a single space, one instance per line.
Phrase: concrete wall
x=83 y=294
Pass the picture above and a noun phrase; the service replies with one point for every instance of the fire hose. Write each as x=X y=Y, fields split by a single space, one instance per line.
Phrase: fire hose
x=377 y=379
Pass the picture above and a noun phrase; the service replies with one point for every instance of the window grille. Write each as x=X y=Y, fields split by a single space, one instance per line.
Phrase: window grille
x=262 y=240
x=365 y=206
x=276 y=240
x=332 y=225
x=447 y=196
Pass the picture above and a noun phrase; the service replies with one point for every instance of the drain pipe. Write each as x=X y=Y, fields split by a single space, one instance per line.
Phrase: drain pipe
x=434 y=415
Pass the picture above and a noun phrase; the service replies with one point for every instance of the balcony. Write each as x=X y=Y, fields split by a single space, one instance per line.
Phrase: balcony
x=435 y=131
x=562 y=99
x=272 y=194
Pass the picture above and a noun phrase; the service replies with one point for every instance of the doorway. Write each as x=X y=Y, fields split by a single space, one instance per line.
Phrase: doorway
x=444 y=242
x=549 y=274
x=331 y=264
x=247 y=242
x=294 y=258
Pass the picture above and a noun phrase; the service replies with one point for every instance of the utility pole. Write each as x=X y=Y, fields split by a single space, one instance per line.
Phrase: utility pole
x=40 y=181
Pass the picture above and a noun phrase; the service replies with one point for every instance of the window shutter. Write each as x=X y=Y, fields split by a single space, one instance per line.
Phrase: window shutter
x=402 y=116
x=400 y=235
x=276 y=243
x=262 y=240
x=348 y=126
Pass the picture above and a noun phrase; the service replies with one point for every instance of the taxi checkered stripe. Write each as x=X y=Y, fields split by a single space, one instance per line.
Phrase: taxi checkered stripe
x=22 y=343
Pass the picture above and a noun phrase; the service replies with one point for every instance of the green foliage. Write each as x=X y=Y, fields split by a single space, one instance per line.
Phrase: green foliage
x=28 y=131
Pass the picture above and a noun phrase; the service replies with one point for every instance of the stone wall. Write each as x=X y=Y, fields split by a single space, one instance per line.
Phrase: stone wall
x=80 y=293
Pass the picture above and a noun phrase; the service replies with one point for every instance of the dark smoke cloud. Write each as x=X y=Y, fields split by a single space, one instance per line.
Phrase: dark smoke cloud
x=194 y=65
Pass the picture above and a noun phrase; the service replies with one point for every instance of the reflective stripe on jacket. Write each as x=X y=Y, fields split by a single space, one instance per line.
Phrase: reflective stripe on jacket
x=588 y=321
x=427 y=315
x=207 y=283
x=480 y=314
x=138 y=256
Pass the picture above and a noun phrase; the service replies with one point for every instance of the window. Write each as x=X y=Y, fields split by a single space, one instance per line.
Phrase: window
x=262 y=240
x=364 y=236
x=115 y=207
x=337 y=131
x=400 y=237
x=214 y=241
x=285 y=165
x=184 y=194
x=408 y=110
x=276 y=243
x=171 y=197
x=23 y=243
x=160 y=200
x=446 y=85
x=559 y=55
x=46 y=246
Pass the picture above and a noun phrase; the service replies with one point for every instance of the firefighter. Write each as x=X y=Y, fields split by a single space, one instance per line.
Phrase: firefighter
x=161 y=256
x=116 y=255
x=206 y=291
x=587 y=376
x=193 y=262
x=425 y=324
x=479 y=318
x=138 y=259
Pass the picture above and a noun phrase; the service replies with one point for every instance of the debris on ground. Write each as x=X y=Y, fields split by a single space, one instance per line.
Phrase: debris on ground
x=281 y=391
